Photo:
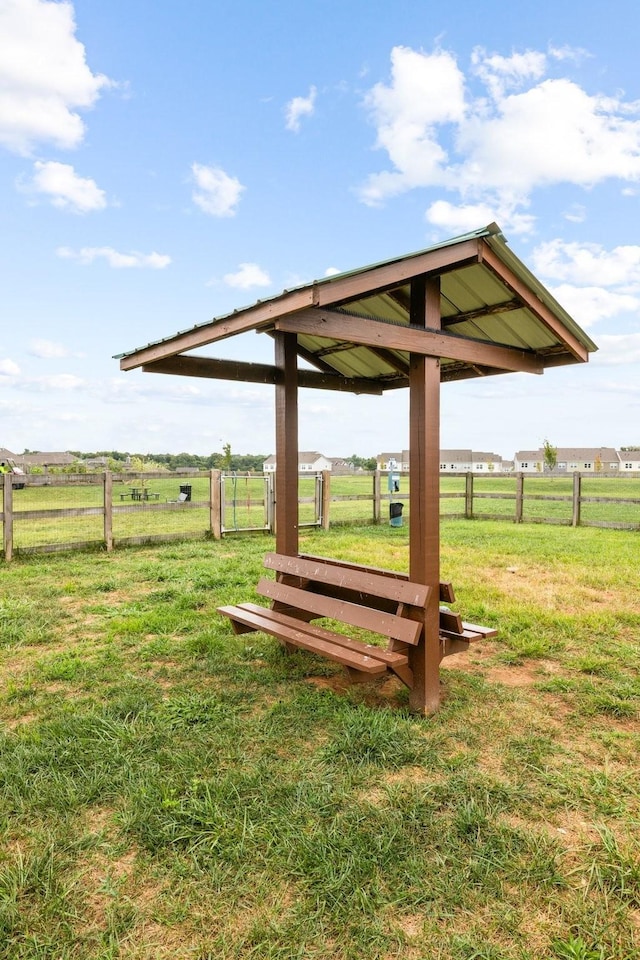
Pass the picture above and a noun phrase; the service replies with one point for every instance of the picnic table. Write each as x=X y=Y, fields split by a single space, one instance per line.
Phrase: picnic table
x=136 y=493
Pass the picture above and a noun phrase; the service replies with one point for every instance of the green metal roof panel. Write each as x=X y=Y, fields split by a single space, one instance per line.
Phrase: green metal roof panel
x=470 y=291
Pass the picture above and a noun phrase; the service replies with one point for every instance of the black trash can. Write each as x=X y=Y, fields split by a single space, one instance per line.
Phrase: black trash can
x=186 y=488
x=395 y=514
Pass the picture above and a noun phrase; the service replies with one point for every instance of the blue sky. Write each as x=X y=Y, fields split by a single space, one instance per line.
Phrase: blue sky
x=164 y=163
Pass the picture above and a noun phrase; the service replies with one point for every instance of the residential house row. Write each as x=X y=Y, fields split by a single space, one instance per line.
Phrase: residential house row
x=568 y=460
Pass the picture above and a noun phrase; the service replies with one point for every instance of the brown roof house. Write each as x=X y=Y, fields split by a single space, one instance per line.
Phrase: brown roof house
x=569 y=460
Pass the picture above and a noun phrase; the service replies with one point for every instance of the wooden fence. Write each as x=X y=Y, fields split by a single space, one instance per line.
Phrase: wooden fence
x=49 y=513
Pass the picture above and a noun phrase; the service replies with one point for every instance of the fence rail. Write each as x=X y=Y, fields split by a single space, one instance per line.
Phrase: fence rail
x=61 y=512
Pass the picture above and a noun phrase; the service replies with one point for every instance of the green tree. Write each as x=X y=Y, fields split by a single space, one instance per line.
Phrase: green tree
x=550 y=454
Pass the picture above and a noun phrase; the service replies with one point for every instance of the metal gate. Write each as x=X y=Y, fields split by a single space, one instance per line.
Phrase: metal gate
x=245 y=503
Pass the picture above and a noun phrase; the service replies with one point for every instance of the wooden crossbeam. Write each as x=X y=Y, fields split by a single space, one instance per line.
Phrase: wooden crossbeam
x=334 y=325
x=238 y=370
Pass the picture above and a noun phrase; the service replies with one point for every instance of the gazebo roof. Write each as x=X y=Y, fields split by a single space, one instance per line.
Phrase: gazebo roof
x=354 y=329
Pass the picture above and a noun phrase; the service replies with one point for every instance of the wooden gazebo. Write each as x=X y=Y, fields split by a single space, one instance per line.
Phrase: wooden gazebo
x=464 y=308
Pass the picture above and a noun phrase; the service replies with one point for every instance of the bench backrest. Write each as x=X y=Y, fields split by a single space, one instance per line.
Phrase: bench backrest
x=377 y=603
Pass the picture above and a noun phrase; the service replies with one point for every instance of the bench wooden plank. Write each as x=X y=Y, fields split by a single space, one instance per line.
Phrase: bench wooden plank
x=388 y=624
x=485 y=632
x=450 y=620
x=400 y=591
x=390 y=657
x=300 y=638
x=446 y=588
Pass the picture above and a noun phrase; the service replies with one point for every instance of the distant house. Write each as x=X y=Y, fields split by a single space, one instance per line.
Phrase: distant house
x=393 y=461
x=451 y=461
x=629 y=461
x=569 y=460
x=308 y=462
x=473 y=461
x=340 y=465
x=27 y=461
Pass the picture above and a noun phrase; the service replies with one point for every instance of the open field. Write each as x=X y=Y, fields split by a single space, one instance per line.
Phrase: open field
x=170 y=790
x=78 y=506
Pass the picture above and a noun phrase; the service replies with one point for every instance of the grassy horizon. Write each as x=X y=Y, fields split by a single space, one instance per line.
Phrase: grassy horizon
x=171 y=790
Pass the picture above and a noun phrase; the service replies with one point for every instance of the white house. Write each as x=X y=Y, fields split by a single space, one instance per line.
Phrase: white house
x=570 y=460
x=472 y=461
x=308 y=462
x=629 y=461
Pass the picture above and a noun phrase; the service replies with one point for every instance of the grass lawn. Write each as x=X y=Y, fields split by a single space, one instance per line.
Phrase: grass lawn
x=169 y=790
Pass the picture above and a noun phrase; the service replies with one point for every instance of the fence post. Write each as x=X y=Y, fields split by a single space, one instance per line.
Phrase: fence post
x=577 y=502
x=468 y=497
x=519 y=497
x=326 y=498
x=108 y=510
x=8 y=516
x=377 y=507
x=215 y=505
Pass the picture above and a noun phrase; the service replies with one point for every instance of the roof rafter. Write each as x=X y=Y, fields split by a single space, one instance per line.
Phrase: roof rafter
x=493 y=262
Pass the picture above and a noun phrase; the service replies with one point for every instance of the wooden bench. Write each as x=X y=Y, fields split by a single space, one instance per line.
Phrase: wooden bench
x=378 y=601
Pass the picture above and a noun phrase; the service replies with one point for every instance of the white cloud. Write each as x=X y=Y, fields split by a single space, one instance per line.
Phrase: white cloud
x=115 y=259
x=588 y=305
x=44 y=76
x=47 y=349
x=458 y=218
x=8 y=368
x=248 y=275
x=217 y=193
x=522 y=130
x=618 y=349
x=577 y=213
x=300 y=107
x=64 y=188
x=501 y=73
x=61 y=381
x=586 y=262
x=331 y=271
x=425 y=91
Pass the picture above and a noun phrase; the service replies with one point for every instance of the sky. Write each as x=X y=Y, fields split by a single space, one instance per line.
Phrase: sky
x=165 y=163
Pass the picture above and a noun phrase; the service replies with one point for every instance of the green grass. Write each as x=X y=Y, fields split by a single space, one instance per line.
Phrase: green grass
x=171 y=790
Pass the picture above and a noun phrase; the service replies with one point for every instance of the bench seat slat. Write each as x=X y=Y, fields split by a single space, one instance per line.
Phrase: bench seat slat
x=390 y=657
x=401 y=591
x=387 y=624
x=300 y=638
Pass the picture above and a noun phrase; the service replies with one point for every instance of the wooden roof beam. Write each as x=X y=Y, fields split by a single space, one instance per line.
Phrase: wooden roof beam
x=237 y=370
x=493 y=262
x=387 y=276
x=241 y=321
x=433 y=343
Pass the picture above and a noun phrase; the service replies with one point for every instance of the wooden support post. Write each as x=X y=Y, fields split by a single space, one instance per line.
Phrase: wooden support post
x=519 y=497
x=424 y=478
x=7 y=508
x=286 y=513
x=326 y=499
x=577 y=501
x=108 y=511
x=376 y=497
x=468 y=497
x=215 y=505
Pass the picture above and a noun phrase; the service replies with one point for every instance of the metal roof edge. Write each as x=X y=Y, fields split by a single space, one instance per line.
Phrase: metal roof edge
x=499 y=245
